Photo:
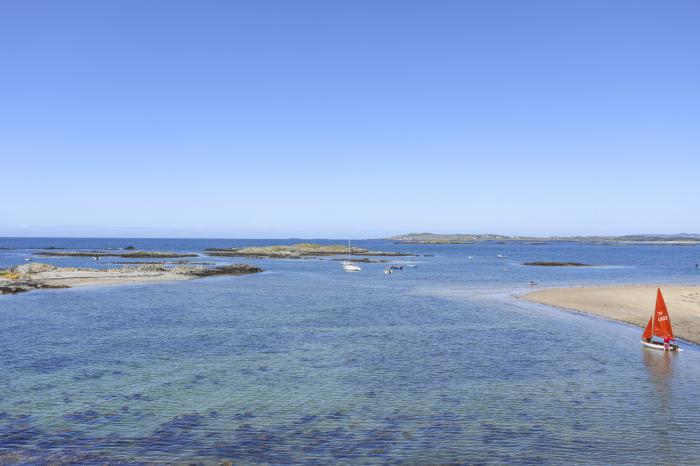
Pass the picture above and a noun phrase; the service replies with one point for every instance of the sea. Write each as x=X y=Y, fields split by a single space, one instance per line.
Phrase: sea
x=438 y=363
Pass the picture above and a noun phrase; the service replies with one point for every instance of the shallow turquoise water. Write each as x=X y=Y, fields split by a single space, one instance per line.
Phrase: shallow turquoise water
x=307 y=364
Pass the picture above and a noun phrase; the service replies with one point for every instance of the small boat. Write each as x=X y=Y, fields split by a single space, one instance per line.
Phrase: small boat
x=501 y=256
x=348 y=265
x=387 y=271
x=396 y=267
x=659 y=326
x=470 y=257
x=532 y=283
x=28 y=259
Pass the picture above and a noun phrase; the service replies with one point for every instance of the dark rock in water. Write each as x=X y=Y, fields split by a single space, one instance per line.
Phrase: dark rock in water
x=556 y=264
x=141 y=262
x=20 y=287
x=364 y=260
x=12 y=289
x=233 y=269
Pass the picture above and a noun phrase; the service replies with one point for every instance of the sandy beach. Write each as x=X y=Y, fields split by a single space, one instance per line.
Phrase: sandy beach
x=630 y=303
x=78 y=277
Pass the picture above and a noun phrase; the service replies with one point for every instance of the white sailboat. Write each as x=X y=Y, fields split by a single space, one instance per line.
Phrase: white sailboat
x=348 y=265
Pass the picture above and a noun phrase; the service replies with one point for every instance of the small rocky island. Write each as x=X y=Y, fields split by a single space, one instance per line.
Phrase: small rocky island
x=27 y=277
x=556 y=264
x=126 y=255
x=297 y=251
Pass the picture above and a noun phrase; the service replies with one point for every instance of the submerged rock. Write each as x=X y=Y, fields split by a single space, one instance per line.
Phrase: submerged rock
x=556 y=264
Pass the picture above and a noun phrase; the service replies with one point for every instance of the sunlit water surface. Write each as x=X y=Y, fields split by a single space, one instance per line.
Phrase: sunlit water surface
x=307 y=364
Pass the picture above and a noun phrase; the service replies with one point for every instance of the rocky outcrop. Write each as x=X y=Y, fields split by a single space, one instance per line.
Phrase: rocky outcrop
x=233 y=269
x=20 y=278
x=20 y=287
x=297 y=251
x=127 y=255
x=556 y=264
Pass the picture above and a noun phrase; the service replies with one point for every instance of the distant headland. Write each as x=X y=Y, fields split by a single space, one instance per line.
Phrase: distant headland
x=433 y=238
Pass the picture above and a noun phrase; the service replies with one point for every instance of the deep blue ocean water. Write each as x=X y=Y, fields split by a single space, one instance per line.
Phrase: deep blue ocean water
x=306 y=364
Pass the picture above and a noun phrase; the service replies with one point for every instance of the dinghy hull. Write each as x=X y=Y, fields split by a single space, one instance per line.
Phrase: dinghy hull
x=657 y=346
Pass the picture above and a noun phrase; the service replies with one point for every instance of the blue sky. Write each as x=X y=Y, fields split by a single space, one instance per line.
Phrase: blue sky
x=362 y=118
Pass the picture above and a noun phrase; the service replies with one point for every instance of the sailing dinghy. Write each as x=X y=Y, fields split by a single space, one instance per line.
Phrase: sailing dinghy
x=659 y=326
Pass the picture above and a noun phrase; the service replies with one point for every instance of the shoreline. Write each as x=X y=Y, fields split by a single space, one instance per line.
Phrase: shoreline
x=630 y=304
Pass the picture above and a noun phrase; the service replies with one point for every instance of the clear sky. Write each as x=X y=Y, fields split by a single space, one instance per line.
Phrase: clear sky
x=354 y=118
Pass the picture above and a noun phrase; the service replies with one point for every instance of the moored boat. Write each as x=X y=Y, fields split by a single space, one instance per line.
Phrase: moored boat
x=659 y=327
x=348 y=265
x=351 y=267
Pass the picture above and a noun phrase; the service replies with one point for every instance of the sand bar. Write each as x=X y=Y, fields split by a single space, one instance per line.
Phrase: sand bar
x=36 y=275
x=630 y=303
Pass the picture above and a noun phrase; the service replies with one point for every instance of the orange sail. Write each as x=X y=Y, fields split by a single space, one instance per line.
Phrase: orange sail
x=647 y=331
x=660 y=323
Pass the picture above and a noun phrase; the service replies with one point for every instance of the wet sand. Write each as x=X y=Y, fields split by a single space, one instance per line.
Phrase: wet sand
x=630 y=303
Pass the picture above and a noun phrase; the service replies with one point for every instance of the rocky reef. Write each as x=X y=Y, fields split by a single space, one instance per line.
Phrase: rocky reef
x=364 y=260
x=22 y=286
x=297 y=251
x=234 y=269
x=556 y=264
x=126 y=255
